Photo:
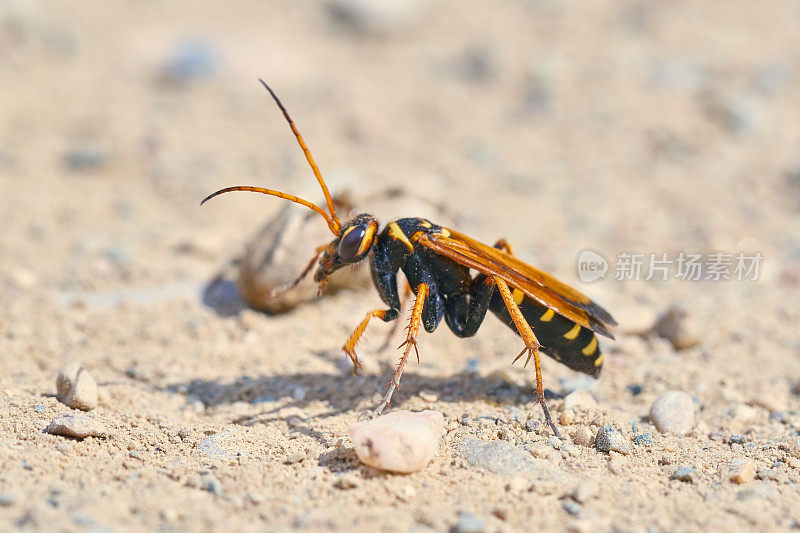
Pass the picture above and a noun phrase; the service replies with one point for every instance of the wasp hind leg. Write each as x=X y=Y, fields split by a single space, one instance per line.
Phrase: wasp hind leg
x=531 y=346
x=410 y=342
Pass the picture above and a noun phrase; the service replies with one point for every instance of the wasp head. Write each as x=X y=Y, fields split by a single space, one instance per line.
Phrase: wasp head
x=351 y=246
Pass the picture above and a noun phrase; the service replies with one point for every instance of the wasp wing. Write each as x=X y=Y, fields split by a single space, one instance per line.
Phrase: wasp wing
x=535 y=283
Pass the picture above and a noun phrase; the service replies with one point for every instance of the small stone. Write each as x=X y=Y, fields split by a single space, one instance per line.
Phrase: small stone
x=679 y=328
x=469 y=523
x=211 y=484
x=554 y=442
x=87 y=157
x=346 y=482
x=643 y=439
x=793 y=446
x=586 y=491
x=77 y=426
x=532 y=424
x=567 y=418
x=190 y=61
x=295 y=457
x=400 y=441
x=743 y=472
x=500 y=513
x=376 y=19
x=738 y=439
x=7 y=499
x=683 y=473
x=572 y=507
x=609 y=439
x=542 y=452
x=583 y=436
x=673 y=412
x=579 y=399
x=76 y=388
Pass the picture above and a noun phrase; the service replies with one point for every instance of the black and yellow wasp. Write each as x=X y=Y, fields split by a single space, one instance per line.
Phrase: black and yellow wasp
x=437 y=262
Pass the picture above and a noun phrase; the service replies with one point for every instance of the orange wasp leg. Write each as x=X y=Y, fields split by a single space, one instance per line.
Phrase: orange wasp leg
x=350 y=346
x=531 y=346
x=411 y=341
x=303 y=274
x=504 y=245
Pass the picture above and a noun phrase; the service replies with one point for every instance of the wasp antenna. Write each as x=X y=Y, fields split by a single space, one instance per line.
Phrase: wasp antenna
x=334 y=225
x=307 y=153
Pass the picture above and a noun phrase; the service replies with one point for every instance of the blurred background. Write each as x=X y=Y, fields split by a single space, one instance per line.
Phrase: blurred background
x=629 y=126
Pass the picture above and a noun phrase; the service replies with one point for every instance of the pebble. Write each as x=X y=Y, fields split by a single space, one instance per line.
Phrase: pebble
x=572 y=507
x=381 y=19
x=295 y=457
x=191 y=60
x=7 y=499
x=567 y=418
x=554 y=442
x=211 y=483
x=76 y=388
x=583 y=436
x=609 y=439
x=469 y=523
x=743 y=472
x=579 y=399
x=497 y=456
x=643 y=439
x=87 y=157
x=77 y=426
x=793 y=446
x=679 y=328
x=400 y=441
x=683 y=473
x=673 y=412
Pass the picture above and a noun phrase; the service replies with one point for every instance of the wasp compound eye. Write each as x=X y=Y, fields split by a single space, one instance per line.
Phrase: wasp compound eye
x=351 y=243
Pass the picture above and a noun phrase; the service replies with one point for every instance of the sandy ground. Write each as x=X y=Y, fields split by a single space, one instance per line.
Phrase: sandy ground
x=653 y=127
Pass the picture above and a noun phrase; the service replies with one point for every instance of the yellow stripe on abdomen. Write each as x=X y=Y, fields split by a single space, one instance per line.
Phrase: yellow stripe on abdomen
x=573 y=333
x=591 y=347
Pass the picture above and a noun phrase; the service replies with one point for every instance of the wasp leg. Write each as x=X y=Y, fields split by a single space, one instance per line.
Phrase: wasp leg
x=531 y=346
x=303 y=274
x=350 y=346
x=504 y=245
x=411 y=341
x=406 y=296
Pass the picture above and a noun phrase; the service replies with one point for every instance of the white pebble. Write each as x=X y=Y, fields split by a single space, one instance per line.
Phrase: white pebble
x=77 y=426
x=673 y=412
x=76 y=387
x=400 y=441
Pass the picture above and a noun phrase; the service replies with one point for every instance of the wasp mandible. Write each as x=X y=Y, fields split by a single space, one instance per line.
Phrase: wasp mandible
x=437 y=262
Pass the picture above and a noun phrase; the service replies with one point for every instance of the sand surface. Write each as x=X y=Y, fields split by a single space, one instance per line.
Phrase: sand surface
x=652 y=127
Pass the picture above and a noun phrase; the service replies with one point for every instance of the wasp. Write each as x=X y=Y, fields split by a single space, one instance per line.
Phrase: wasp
x=455 y=278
